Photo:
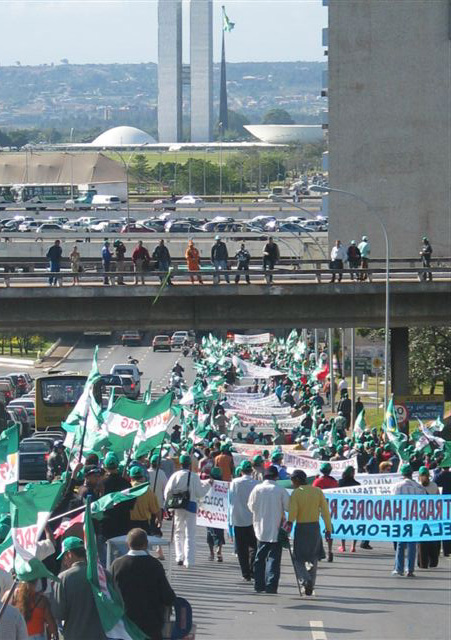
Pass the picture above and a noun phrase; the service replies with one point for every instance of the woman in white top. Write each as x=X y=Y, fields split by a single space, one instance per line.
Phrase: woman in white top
x=75 y=263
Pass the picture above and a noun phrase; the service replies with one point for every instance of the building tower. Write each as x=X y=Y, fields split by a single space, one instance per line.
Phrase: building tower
x=170 y=70
x=201 y=58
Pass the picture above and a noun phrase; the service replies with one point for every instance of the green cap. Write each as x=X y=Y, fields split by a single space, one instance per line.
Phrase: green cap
x=406 y=469
x=111 y=460
x=277 y=455
x=257 y=460
x=185 y=459
x=326 y=467
x=70 y=543
x=216 y=473
x=423 y=471
x=246 y=466
x=155 y=458
x=136 y=472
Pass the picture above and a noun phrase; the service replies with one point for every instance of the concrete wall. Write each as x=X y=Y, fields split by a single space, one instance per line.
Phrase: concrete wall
x=170 y=70
x=389 y=121
x=201 y=58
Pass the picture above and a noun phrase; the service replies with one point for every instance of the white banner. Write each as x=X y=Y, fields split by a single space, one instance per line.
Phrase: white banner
x=311 y=466
x=250 y=370
x=259 y=412
x=259 y=338
x=250 y=401
x=212 y=510
x=268 y=423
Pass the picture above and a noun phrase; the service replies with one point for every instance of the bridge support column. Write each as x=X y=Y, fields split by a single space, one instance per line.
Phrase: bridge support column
x=399 y=361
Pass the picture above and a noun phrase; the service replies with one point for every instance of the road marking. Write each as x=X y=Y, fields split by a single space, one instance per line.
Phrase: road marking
x=317 y=628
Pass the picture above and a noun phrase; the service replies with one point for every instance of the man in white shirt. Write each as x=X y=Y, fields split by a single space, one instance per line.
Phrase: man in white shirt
x=241 y=519
x=406 y=486
x=268 y=503
x=337 y=258
x=185 y=519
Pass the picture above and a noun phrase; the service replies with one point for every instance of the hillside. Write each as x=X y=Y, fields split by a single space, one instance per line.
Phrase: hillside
x=95 y=96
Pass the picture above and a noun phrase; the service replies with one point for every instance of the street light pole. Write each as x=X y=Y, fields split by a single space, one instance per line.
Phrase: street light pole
x=126 y=167
x=370 y=208
x=220 y=162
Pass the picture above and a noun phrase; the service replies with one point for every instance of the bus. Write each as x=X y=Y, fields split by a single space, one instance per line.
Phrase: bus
x=41 y=196
x=55 y=397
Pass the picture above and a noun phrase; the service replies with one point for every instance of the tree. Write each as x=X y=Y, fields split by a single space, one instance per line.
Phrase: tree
x=139 y=170
x=430 y=358
x=277 y=116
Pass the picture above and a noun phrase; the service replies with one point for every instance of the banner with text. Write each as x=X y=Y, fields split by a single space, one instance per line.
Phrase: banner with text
x=212 y=510
x=258 y=338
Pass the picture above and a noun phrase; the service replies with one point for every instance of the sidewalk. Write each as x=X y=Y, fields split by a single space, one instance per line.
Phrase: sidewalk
x=58 y=355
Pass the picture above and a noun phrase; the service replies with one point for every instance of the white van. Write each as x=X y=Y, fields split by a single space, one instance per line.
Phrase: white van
x=106 y=202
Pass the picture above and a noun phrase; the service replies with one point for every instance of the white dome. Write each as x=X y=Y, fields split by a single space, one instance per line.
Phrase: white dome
x=286 y=133
x=122 y=136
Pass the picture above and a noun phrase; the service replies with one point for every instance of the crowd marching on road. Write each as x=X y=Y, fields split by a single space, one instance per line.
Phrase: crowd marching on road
x=253 y=427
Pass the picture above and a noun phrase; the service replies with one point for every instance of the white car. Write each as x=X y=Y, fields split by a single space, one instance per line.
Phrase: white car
x=190 y=201
x=30 y=225
x=108 y=226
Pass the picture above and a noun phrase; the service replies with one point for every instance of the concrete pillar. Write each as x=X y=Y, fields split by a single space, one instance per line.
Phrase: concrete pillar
x=400 y=361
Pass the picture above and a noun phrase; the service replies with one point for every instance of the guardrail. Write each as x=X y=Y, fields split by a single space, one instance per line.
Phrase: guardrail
x=95 y=275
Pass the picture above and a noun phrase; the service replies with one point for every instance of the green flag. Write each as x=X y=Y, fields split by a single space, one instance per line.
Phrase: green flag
x=154 y=425
x=108 y=602
x=227 y=26
x=112 y=499
x=359 y=424
x=9 y=459
x=30 y=511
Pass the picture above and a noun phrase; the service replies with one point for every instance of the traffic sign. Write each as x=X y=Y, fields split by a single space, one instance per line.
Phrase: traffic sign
x=377 y=364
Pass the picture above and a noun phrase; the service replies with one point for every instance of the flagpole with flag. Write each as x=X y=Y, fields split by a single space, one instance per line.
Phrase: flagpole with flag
x=227 y=27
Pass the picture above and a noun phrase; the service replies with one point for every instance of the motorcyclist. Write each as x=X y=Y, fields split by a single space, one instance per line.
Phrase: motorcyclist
x=57 y=461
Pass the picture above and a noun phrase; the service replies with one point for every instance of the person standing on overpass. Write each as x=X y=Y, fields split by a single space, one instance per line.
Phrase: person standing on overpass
x=337 y=258
x=426 y=253
x=219 y=257
x=243 y=258
x=141 y=261
x=119 y=254
x=163 y=258
x=354 y=258
x=54 y=257
x=365 y=250
x=193 y=261
x=106 y=261
x=271 y=257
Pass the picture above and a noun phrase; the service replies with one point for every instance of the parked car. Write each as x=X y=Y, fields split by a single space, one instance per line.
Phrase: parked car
x=49 y=226
x=106 y=202
x=33 y=456
x=161 y=343
x=135 y=227
x=131 y=337
x=164 y=204
x=181 y=226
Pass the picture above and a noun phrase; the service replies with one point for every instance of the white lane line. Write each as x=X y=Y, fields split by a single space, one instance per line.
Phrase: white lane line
x=317 y=628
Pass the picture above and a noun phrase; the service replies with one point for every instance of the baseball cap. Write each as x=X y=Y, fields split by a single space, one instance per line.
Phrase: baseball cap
x=277 y=455
x=326 y=467
x=70 y=543
x=423 y=471
x=257 y=460
x=155 y=458
x=111 y=460
x=136 y=472
x=406 y=469
x=185 y=459
x=246 y=466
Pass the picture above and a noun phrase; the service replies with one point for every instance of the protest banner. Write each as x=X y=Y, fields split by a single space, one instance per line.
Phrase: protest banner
x=258 y=338
x=259 y=412
x=212 y=510
x=250 y=370
x=250 y=400
x=399 y=518
x=311 y=466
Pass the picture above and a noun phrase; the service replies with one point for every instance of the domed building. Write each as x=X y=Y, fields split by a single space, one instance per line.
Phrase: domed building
x=122 y=137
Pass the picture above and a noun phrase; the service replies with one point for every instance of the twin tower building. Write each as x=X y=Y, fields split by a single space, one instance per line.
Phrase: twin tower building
x=172 y=75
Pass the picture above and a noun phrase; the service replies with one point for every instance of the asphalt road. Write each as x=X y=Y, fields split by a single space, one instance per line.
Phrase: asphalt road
x=355 y=596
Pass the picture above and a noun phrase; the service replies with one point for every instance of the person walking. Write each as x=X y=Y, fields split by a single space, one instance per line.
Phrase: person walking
x=219 y=257
x=192 y=258
x=354 y=259
x=428 y=552
x=337 y=258
x=426 y=254
x=107 y=256
x=268 y=503
x=115 y=521
x=271 y=257
x=307 y=504
x=348 y=480
x=215 y=536
x=35 y=608
x=406 y=486
x=241 y=519
x=75 y=265
x=185 y=518
x=163 y=259
x=157 y=482
x=73 y=600
x=54 y=255
x=146 y=505
x=243 y=258
x=119 y=255
x=141 y=261
x=326 y=481
x=143 y=585
x=365 y=251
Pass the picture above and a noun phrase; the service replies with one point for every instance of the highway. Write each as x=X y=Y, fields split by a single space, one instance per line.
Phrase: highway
x=355 y=596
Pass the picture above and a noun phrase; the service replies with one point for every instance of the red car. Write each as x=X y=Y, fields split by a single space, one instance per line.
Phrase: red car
x=136 y=228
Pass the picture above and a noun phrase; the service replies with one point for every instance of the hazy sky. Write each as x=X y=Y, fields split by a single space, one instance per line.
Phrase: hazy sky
x=36 y=31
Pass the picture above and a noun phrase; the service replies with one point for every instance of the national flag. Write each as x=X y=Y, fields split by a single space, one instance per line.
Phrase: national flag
x=390 y=424
x=109 y=604
x=429 y=434
x=9 y=459
x=359 y=424
x=30 y=511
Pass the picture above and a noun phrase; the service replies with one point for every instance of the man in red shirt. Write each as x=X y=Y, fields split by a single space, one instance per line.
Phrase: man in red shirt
x=326 y=481
x=141 y=260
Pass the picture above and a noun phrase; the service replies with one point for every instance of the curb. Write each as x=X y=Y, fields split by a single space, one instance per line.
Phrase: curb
x=48 y=353
x=66 y=355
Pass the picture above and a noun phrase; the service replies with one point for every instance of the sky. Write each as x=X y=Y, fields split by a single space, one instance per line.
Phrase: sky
x=107 y=31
